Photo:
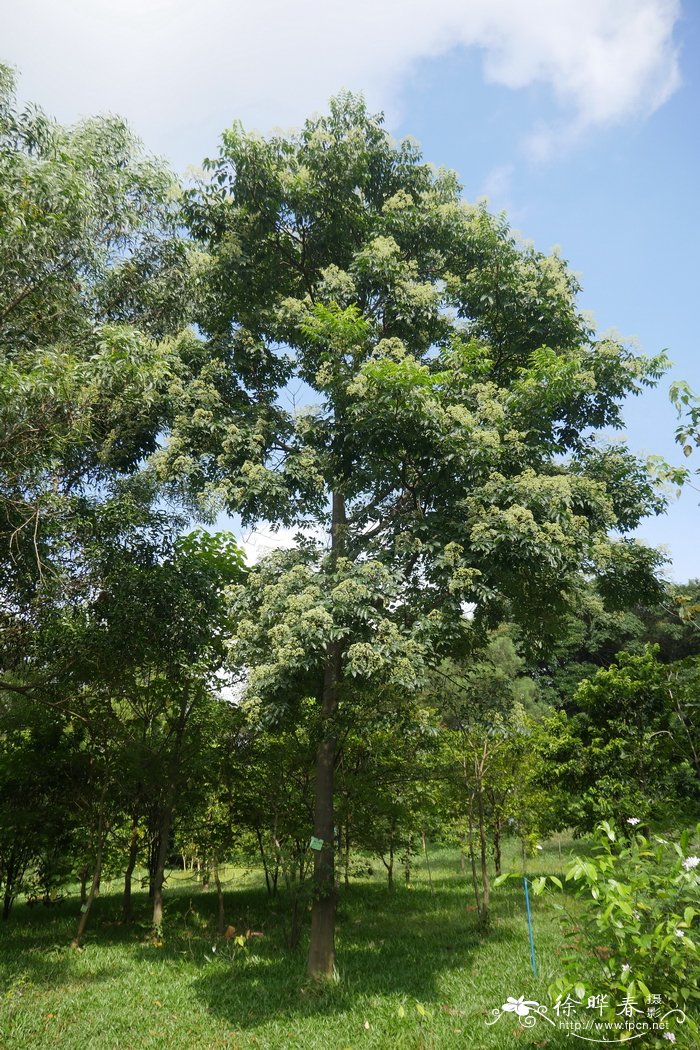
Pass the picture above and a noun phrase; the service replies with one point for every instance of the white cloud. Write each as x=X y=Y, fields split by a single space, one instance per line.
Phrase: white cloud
x=180 y=72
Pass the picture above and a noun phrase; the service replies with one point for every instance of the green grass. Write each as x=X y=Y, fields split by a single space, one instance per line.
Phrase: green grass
x=415 y=972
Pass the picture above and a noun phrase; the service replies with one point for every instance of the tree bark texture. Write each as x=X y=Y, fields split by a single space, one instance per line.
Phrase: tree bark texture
x=322 y=942
x=159 y=875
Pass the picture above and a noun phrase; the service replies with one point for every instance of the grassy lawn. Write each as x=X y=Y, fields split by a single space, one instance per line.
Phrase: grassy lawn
x=414 y=970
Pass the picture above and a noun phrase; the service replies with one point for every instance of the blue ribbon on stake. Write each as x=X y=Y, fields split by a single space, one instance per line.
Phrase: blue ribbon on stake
x=529 y=927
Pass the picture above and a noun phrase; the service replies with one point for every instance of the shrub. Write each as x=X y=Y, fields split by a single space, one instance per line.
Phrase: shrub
x=638 y=900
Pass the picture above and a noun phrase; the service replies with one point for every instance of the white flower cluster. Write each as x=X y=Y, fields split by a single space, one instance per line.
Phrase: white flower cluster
x=691 y=862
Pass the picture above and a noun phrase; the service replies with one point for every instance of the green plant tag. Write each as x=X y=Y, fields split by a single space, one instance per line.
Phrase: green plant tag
x=316 y=843
x=83 y=908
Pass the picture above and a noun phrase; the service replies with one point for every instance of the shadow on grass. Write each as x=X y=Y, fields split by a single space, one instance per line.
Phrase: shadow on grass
x=389 y=943
x=35 y=951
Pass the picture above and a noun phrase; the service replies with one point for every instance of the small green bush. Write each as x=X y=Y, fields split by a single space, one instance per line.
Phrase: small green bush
x=638 y=901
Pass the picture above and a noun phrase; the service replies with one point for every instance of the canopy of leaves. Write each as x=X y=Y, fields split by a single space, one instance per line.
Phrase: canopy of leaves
x=449 y=392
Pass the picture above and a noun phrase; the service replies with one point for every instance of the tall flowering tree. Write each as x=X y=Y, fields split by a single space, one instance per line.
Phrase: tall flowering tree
x=447 y=395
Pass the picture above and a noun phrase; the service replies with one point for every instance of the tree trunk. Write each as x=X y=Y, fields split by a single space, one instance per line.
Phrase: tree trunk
x=263 y=857
x=389 y=864
x=346 y=845
x=84 y=875
x=485 y=884
x=153 y=850
x=133 y=854
x=497 y=845
x=221 y=925
x=472 y=859
x=165 y=820
x=7 y=900
x=684 y=722
x=408 y=857
x=159 y=874
x=13 y=874
x=427 y=861
x=322 y=942
x=86 y=908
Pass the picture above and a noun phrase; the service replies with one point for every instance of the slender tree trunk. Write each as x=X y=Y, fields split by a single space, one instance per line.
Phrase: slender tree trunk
x=497 y=845
x=153 y=850
x=472 y=859
x=409 y=856
x=263 y=857
x=485 y=884
x=389 y=865
x=133 y=854
x=322 y=942
x=221 y=926
x=159 y=875
x=8 y=899
x=684 y=722
x=13 y=873
x=165 y=819
x=86 y=908
x=346 y=845
x=427 y=861
x=84 y=875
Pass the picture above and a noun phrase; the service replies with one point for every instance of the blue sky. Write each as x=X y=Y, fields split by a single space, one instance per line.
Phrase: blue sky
x=580 y=118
